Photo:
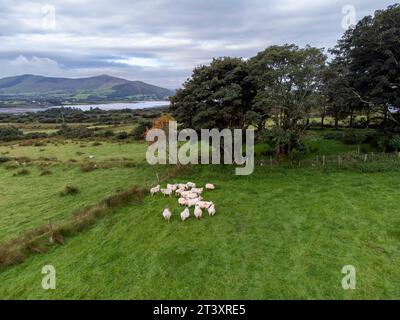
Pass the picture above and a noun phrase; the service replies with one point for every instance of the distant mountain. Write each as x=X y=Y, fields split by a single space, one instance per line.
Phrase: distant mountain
x=99 y=88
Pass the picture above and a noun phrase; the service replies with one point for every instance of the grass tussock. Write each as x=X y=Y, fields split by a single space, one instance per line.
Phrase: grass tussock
x=69 y=190
x=45 y=172
x=88 y=167
x=22 y=172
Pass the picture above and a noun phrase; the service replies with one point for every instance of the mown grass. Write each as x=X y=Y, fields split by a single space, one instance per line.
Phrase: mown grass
x=277 y=234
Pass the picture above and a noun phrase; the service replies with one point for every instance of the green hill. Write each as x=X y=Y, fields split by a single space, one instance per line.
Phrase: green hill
x=101 y=87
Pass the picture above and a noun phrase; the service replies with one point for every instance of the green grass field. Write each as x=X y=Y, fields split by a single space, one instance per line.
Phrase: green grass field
x=278 y=234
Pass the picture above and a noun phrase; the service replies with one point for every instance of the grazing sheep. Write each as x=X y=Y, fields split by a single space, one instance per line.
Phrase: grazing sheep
x=185 y=214
x=166 y=192
x=197 y=190
x=167 y=214
x=210 y=186
x=189 y=194
x=211 y=210
x=198 y=212
x=191 y=185
x=183 y=201
x=182 y=186
x=204 y=204
x=178 y=192
x=193 y=202
x=192 y=195
x=172 y=187
x=155 y=190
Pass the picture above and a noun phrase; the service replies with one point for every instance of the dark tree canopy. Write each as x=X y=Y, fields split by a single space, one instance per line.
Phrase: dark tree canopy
x=216 y=96
x=372 y=52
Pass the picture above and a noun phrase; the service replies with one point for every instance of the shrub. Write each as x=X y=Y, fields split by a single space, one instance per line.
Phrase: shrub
x=122 y=135
x=354 y=137
x=4 y=159
x=108 y=133
x=36 y=135
x=75 y=133
x=334 y=136
x=10 y=133
x=395 y=142
x=138 y=133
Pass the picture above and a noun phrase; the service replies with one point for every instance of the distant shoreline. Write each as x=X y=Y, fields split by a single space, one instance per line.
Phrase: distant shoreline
x=86 y=107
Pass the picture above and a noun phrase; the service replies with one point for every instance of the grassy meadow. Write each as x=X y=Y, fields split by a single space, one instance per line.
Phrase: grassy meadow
x=280 y=233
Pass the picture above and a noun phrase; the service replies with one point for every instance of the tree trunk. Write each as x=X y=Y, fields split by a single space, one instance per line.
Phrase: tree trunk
x=351 y=120
x=322 y=121
x=368 y=119
x=336 y=123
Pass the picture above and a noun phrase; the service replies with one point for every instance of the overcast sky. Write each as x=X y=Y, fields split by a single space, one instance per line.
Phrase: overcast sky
x=160 y=41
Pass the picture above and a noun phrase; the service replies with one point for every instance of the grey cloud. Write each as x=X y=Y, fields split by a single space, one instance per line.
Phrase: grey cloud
x=169 y=38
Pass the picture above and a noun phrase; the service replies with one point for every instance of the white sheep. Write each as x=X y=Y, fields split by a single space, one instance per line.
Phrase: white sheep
x=192 y=195
x=155 y=190
x=193 y=202
x=167 y=214
x=211 y=210
x=172 y=187
x=210 y=186
x=191 y=185
x=185 y=214
x=204 y=204
x=166 y=192
x=183 y=201
x=197 y=190
x=179 y=191
x=182 y=186
x=198 y=212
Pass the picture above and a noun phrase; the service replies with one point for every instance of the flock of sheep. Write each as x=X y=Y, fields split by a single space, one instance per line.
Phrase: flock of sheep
x=189 y=196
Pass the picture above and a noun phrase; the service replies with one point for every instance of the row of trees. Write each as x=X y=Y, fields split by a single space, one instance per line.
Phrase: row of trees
x=282 y=87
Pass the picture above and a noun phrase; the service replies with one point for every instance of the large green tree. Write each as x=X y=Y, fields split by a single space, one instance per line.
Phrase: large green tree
x=218 y=96
x=289 y=82
x=371 y=51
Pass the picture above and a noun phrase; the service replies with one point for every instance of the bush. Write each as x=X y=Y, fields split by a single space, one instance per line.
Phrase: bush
x=4 y=159
x=138 y=133
x=10 y=133
x=122 y=135
x=36 y=135
x=334 y=136
x=395 y=142
x=108 y=133
x=75 y=133
x=354 y=137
